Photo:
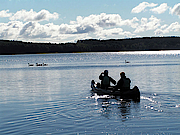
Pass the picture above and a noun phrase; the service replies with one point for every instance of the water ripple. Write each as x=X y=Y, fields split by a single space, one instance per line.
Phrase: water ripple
x=57 y=100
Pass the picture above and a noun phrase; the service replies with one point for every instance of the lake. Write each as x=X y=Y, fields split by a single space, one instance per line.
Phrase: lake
x=57 y=98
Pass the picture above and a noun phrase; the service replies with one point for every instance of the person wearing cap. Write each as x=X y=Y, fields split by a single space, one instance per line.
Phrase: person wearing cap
x=124 y=83
x=105 y=79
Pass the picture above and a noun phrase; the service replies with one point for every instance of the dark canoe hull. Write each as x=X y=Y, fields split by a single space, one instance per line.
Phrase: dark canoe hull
x=133 y=94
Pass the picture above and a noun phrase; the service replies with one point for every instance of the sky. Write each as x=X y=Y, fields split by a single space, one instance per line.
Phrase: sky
x=60 y=21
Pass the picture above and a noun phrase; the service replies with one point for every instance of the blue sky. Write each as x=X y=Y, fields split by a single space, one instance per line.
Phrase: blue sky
x=71 y=20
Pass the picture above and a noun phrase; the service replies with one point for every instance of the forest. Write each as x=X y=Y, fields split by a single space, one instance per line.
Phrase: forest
x=8 y=47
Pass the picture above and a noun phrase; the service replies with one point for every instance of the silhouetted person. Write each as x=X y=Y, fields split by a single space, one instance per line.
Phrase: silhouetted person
x=124 y=83
x=105 y=79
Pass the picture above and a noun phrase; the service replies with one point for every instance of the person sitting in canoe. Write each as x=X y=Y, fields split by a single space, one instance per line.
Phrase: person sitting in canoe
x=124 y=83
x=105 y=79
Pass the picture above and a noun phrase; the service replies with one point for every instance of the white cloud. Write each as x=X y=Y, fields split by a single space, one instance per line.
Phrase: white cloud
x=141 y=7
x=91 y=23
x=67 y=29
x=34 y=31
x=175 y=10
x=4 y=13
x=108 y=20
x=161 y=9
x=113 y=33
x=164 y=26
x=102 y=20
x=173 y=27
x=25 y=25
x=109 y=32
x=17 y=29
x=10 y=29
x=133 y=22
x=94 y=23
x=34 y=16
x=148 y=24
x=102 y=25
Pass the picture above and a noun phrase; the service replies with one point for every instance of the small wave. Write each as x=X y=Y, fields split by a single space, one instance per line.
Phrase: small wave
x=153 y=105
x=148 y=98
x=101 y=96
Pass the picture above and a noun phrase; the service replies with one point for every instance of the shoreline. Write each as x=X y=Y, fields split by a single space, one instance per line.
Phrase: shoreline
x=8 y=47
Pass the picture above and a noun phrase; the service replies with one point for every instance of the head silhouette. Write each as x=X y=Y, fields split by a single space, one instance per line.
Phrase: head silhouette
x=106 y=72
x=122 y=74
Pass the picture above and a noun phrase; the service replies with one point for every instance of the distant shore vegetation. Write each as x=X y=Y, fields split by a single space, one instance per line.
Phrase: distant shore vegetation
x=8 y=47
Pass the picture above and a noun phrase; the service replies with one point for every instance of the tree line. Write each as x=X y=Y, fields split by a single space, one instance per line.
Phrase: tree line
x=91 y=45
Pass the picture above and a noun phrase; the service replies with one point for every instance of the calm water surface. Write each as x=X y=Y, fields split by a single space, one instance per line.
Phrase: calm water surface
x=57 y=99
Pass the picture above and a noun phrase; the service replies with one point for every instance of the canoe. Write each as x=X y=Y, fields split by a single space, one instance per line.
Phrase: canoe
x=133 y=94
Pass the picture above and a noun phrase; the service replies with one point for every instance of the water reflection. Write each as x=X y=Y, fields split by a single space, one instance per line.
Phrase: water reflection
x=114 y=107
x=125 y=110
